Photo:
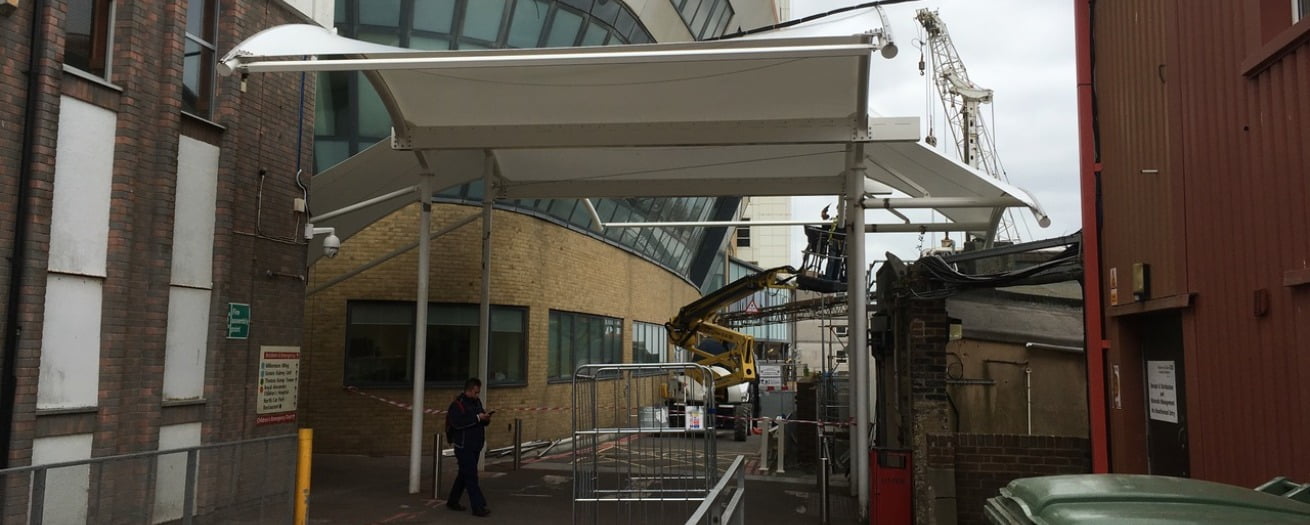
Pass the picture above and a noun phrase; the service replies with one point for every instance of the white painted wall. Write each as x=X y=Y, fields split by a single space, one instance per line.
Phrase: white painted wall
x=661 y=19
x=84 y=168
x=193 y=216
x=770 y=245
x=185 y=343
x=750 y=14
x=319 y=10
x=812 y=336
x=170 y=473
x=70 y=343
x=66 y=488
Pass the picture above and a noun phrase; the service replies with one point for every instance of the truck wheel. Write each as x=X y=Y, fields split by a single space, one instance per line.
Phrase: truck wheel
x=742 y=424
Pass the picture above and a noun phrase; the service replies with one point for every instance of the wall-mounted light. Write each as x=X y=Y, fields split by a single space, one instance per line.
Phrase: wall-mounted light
x=1141 y=281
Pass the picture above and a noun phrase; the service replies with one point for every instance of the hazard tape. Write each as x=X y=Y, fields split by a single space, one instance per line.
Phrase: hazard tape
x=397 y=404
x=433 y=411
x=784 y=421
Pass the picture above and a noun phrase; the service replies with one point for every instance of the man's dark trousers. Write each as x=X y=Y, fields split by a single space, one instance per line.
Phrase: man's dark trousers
x=467 y=479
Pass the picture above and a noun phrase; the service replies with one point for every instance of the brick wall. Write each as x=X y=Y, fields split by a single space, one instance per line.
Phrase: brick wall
x=928 y=330
x=983 y=463
x=922 y=331
x=535 y=264
x=255 y=232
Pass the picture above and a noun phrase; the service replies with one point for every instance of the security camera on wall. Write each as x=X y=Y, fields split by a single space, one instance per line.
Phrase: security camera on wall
x=331 y=243
x=331 y=246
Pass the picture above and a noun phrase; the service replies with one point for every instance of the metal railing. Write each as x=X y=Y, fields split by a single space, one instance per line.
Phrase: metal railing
x=241 y=482
x=724 y=504
x=643 y=441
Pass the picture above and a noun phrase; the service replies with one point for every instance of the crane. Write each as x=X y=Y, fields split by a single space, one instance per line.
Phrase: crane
x=962 y=100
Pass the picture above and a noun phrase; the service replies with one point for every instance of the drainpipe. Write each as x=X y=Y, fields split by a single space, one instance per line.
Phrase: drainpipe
x=18 y=256
x=1028 y=392
x=1089 y=175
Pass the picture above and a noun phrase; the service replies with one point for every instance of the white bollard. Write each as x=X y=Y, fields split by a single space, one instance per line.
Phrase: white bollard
x=764 y=448
x=782 y=442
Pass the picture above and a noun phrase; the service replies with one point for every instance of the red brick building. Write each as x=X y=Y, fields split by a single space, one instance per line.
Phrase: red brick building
x=1195 y=127
x=140 y=195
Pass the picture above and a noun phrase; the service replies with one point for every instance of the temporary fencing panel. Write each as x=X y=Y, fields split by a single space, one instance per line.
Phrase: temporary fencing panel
x=637 y=458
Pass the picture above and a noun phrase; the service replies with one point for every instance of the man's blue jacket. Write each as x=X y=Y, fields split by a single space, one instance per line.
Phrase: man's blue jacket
x=462 y=425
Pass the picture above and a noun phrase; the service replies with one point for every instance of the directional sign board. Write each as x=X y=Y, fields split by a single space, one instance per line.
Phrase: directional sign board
x=279 y=384
x=238 y=321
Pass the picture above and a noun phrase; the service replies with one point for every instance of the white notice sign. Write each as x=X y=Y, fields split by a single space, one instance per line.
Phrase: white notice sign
x=279 y=384
x=1162 y=393
x=770 y=375
x=695 y=419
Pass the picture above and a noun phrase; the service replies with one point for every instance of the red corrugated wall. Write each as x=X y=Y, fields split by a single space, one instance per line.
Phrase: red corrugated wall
x=1227 y=219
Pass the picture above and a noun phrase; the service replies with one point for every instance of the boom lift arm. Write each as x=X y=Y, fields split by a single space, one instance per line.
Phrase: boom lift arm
x=695 y=328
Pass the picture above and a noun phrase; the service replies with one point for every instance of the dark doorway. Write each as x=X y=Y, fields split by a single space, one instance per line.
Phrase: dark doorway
x=1161 y=340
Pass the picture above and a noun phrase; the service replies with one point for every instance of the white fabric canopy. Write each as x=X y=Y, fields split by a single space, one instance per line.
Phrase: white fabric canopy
x=784 y=113
x=908 y=167
x=767 y=115
x=759 y=116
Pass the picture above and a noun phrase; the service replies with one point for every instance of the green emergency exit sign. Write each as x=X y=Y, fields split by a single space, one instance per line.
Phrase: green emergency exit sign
x=238 y=321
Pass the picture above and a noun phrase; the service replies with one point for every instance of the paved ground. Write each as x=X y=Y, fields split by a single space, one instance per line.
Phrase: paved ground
x=364 y=490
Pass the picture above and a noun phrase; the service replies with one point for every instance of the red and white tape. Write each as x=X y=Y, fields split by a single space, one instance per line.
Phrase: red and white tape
x=407 y=406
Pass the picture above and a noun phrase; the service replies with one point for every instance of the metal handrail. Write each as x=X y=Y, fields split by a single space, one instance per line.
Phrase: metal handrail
x=36 y=508
x=732 y=511
x=134 y=455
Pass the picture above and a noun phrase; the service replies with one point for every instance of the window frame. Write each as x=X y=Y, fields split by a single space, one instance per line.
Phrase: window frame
x=102 y=21
x=642 y=327
x=1273 y=35
x=705 y=19
x=408 y=382
x=205 y=96
x=743 y=233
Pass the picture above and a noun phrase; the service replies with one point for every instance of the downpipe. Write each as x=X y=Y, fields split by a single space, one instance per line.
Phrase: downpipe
x=18 y=256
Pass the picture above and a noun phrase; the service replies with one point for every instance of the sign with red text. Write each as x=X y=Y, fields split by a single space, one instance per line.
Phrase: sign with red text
x=279 y=384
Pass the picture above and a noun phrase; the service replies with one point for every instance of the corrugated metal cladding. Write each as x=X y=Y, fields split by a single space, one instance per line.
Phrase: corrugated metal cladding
x=1231 y=202
x=1135 y=178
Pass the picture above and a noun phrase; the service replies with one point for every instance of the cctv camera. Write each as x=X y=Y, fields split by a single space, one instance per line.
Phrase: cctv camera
x=331 y=245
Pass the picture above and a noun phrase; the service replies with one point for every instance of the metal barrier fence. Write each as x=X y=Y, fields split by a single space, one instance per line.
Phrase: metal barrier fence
x=241 y=482
x=637 y=457
x=725 y=504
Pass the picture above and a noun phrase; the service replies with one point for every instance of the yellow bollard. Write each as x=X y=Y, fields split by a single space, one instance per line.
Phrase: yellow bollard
x=302 y=475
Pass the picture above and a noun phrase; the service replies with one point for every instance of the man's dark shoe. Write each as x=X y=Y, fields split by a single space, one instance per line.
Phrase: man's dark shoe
x=482 y=513
x=454 y=505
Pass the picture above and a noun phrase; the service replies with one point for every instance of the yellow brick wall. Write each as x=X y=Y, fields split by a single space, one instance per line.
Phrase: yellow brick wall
x=535 y=264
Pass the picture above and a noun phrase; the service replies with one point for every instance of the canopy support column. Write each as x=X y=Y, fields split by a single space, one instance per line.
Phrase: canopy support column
x=420 y=334
x=484 y=309
x=857 y=294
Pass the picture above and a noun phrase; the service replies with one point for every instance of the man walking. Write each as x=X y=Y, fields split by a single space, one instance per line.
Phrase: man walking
x=466 y=423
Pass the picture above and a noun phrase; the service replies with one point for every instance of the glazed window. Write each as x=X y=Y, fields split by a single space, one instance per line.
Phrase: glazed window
x=705 y=18
x=380 y=343
x=744 y=235
x=579 y=339
x=88 y=36
x=199 y=57
x=650 y=342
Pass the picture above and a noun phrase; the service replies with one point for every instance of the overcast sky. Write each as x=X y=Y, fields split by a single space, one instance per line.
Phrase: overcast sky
x=1021 y=49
